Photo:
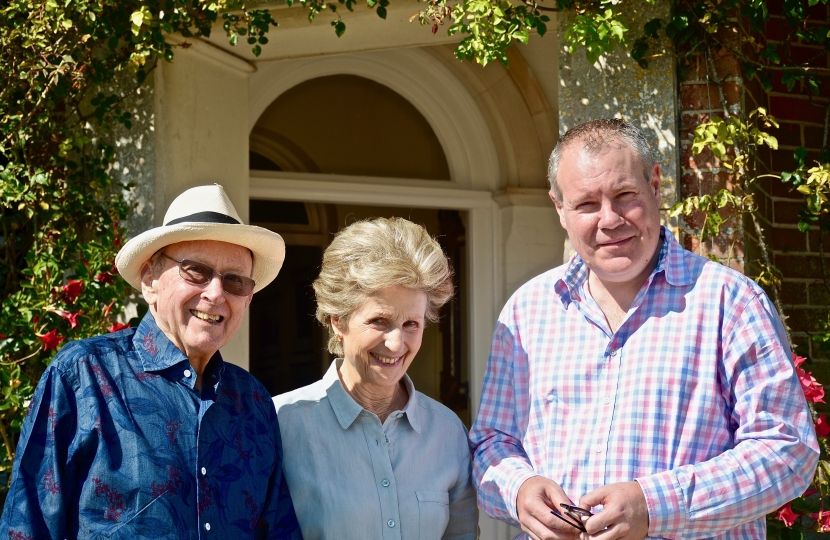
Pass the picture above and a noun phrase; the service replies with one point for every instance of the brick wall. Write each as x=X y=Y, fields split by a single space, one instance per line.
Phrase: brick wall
x=805 y=297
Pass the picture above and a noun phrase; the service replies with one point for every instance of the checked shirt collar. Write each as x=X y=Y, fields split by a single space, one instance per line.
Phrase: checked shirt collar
x=671 y=262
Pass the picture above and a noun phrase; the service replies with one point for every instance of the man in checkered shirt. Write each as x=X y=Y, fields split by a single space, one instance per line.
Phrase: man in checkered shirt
x=638 y=380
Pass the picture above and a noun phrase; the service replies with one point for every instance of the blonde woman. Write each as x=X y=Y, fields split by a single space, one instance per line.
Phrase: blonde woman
x=365 y=454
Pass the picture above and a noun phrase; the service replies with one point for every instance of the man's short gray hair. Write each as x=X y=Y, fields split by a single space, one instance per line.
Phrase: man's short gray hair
x=595 y=136
x=368 y=256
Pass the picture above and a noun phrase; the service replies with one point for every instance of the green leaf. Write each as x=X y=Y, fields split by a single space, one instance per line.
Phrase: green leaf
x=381 y=12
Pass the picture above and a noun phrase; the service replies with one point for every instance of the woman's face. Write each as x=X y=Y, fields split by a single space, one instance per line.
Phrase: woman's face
x=383 y=335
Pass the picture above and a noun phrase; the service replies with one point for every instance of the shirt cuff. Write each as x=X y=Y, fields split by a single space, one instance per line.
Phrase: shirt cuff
x=666 y=508
x=513 y=491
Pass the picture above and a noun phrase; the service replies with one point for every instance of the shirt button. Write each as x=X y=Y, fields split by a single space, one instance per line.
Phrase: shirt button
x=187 y=373
x=613 y=352
x=597 y=448
x=387 y=440
x=204 y=471
x=385 y=483
x=391 y=523
x=607 y=401
x=207 y=526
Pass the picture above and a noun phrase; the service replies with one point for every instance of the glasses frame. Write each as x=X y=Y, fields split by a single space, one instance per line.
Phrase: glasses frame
x=213 y=272
x=575 y=514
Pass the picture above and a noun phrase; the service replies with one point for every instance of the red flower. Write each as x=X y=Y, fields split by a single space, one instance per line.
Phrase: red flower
x=813 y=390
x=51 y=340
x=117 y=327
x=787 y=515
x=104 y=277
x=822 y=427
x=71 y=317
x=824 y=521
x=72 y=289
x=2 y=336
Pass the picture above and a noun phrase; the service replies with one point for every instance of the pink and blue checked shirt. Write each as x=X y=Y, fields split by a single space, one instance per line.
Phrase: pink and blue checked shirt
x=695 y=397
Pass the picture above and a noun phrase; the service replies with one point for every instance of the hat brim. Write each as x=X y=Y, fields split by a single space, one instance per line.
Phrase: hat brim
x=267 y=246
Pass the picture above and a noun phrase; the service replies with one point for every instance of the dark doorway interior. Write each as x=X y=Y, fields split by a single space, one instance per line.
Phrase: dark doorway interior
x=286 y=341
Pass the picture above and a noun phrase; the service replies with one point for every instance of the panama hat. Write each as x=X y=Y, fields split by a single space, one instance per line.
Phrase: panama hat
x=204 y=213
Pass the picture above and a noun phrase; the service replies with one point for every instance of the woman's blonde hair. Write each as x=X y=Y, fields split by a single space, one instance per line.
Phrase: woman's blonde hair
x=368 y=256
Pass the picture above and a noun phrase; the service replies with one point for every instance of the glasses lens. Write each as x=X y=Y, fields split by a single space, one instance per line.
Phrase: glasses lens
x=196 y=272
x=238 y=285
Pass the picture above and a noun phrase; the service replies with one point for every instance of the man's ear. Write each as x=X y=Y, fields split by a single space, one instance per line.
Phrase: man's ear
x=149 y=288
x=654 y=183
x=558 y=208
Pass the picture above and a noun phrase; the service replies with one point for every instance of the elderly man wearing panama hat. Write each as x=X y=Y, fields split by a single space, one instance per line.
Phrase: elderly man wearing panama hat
x=148 y=432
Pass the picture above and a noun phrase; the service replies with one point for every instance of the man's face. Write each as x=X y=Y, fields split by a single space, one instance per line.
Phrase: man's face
x=198 y=319
x=610 y=210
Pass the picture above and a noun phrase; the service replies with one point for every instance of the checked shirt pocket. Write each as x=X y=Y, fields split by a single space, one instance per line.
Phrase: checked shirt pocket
x=433 y=513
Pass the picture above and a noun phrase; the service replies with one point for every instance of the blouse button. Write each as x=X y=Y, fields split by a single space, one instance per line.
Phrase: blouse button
x=613 y=352
x=204 y=471
x=187 y=373
x=207 y=526
x=391 y=523
x=385 y=483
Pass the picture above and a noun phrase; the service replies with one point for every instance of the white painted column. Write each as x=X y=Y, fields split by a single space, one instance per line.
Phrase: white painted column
x=201 y=137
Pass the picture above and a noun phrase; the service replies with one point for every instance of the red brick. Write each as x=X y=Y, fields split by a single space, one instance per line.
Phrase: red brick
x=731 y=92
x=786 y=212
x=818 y=293
x=814 y=137
x=798 y=266
x=691 y=243
x=764 y=205
x=793 y=108
x=704 y=160
x=784 y=189
x=787 y=134
x=793 y=293
x=788 y=239
x=776 y=29
x=805 y=318
x=699 y=97
x=697 y=69
x=783 y=160
x=689 y=185
x=775 y=7
x=695 y=220
x=689 y=121
x=812 y=56
x=728 y=66
x=817 y=12
x=813 y=235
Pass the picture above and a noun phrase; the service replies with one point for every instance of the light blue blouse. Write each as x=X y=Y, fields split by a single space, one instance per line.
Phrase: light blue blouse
x=352 y=478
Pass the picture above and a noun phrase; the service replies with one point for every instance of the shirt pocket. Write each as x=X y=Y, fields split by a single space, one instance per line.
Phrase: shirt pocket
x=433 y=514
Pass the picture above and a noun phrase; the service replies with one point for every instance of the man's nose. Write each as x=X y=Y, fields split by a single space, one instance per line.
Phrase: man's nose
x=213 y=290
x=610 y=216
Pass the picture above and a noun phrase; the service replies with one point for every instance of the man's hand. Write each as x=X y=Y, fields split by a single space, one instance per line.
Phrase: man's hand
x=536 y=498
x=624 y=514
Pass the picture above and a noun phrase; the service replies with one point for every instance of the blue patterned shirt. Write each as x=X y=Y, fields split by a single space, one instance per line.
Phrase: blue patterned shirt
x=118 y=443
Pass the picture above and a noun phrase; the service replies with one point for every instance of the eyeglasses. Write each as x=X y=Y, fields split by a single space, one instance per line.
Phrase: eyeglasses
x=199 y=274
x=575 y=514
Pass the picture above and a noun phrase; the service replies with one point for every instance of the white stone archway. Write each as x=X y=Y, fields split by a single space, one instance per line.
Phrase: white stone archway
x=415 y=75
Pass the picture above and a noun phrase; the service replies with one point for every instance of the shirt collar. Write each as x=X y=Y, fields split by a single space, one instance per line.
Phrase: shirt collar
x=158 y=353
x=671 y=261
x=346 y=409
